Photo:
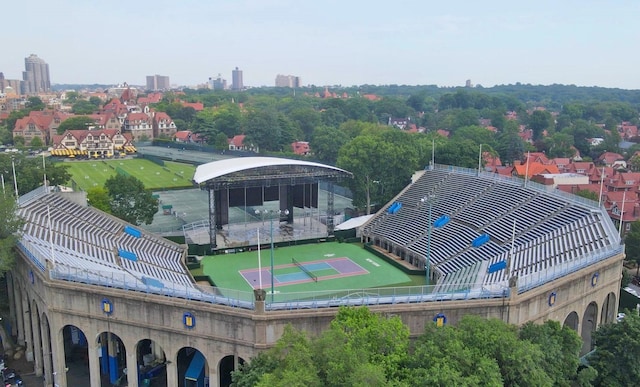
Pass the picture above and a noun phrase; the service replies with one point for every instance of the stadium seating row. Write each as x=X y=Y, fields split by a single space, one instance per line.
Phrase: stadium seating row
x=549 y=230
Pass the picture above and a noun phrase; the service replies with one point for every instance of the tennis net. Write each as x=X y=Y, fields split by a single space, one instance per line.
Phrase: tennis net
x=304 y=269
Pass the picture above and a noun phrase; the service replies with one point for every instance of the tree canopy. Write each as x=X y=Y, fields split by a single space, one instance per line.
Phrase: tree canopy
x=129 y=200
x=10 y=225
x=362 y=348
x=75 y=123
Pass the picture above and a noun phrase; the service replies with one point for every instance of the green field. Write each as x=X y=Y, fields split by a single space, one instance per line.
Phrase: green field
x=224 y=270
x=94 y=173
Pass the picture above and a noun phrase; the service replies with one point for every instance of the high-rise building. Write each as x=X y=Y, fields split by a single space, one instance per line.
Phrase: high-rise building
x=218 y=83
x=236 y=78
x=36 y=76
x=287 y=81
x=158 y=82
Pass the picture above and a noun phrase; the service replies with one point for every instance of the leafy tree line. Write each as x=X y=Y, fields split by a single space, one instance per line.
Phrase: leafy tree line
x=125 y=197
x=361 y=348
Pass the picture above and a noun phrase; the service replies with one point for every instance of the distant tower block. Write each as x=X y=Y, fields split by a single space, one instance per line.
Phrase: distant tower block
x=236 y=78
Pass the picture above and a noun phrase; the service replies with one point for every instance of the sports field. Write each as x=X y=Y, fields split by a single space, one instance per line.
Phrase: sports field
x=94 y=173
x=328 y=267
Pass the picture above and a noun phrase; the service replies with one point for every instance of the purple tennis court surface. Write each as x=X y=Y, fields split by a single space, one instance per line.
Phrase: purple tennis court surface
x=343 y=265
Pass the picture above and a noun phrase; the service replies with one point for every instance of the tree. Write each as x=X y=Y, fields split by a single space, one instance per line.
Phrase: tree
x=83 y=106
x=617 y=354
x=382 y=163
x=559 y=145
x=221 y=142
x=539 y=121
x=632 y=243
x=35 y=103
x=29 y=172
x=307 y=120
x=75 y=123
x=98 y=197
x=561 y=349
x=326 y=143
x=585 y=193
x=36 y=142
x=129 y=200
x=263 y=130
x=9 y=227
x=509 y=144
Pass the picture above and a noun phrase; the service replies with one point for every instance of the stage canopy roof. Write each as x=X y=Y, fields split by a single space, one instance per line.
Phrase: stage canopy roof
x=276 y=170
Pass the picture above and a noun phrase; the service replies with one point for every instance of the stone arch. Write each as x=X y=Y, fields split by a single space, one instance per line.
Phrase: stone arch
x=225 y=366
x=191 y=363
x=609 y=309
x=76 y=351
x=113 y=358
x=572 y=321
x=589 y=325
x=152 y=363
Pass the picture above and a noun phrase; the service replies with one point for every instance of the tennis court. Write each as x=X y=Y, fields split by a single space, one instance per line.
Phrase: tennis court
x=337 y=266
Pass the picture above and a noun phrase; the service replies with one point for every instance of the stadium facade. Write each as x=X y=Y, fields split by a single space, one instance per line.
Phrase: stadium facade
x=91 y=292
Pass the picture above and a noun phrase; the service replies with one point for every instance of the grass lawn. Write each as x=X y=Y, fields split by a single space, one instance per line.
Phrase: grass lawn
x=224 y=270
x=93 y=173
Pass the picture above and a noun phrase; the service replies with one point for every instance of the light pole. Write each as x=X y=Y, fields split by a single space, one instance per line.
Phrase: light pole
x=272 y=213
x=428 y=200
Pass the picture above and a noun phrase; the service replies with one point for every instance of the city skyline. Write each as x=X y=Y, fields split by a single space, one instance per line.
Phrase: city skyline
x=333 y=43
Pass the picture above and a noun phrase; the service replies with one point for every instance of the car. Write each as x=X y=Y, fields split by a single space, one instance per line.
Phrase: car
x=620 y=317
x=11 y=378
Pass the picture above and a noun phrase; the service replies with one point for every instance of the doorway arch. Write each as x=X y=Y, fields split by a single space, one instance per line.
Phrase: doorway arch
x=589 y=325
x=225 y=367
x=572 y=321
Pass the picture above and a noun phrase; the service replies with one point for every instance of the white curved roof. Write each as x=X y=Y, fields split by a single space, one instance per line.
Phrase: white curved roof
x=220 y=168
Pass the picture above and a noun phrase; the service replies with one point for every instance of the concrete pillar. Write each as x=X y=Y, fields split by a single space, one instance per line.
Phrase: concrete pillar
x=19 y=316
x=46 y=351
x=59 y=363
x=37 y=342
x=12 y=305
x=28 y=337
x=132 y=365
x=94 y=363
x=172 y=373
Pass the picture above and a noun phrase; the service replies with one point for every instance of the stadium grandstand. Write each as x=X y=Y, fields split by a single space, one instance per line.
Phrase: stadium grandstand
x=531 y=235
x=90 y=292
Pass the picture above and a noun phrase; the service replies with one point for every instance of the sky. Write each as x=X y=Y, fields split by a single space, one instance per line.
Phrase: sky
x=327 y=42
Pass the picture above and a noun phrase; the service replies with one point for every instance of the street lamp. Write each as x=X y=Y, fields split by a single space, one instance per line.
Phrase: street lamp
x=428 y=200
x=271 y=214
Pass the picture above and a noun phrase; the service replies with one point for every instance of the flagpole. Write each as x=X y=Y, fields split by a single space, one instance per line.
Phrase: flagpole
x=624 y=196
x=44 y=170
x=259 y=262
x=53 y=259
x=601 y=185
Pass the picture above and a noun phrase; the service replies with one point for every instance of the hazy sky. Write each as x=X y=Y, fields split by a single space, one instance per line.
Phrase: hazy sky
x=327 y=42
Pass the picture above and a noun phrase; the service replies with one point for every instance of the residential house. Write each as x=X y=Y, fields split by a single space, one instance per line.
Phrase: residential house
x=400 y=123
x=611 y=159
x=163 y=125
x=188 y=137
x=40 y=124
x=301 y=148
x=140 y=126
x=237 y=143
x=534 y=168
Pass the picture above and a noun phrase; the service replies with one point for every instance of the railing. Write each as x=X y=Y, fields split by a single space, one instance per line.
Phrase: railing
x=313 y=299
x=544 y=276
